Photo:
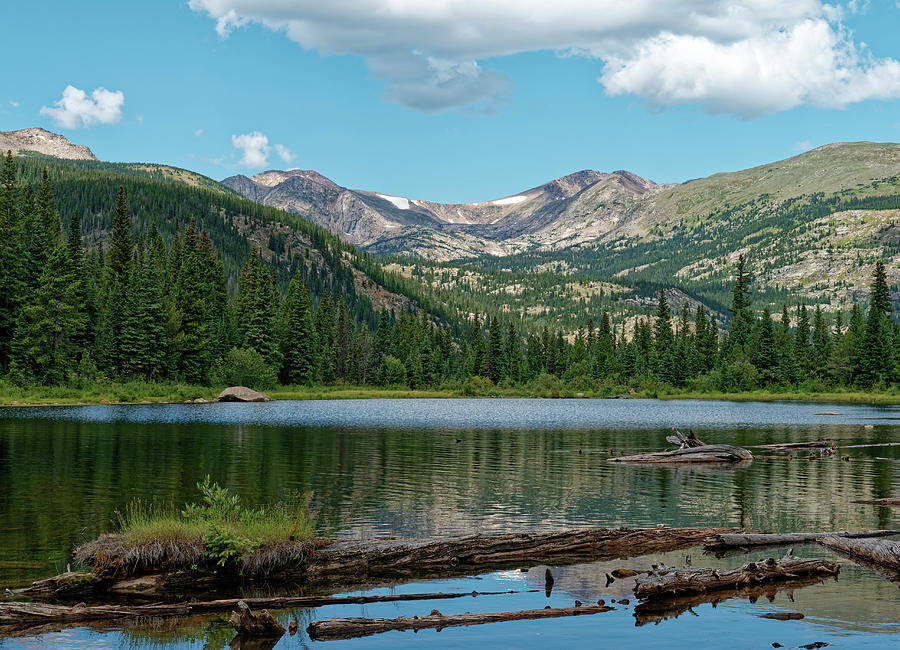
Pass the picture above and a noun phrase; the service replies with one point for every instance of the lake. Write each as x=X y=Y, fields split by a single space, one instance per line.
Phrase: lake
x=444 y=467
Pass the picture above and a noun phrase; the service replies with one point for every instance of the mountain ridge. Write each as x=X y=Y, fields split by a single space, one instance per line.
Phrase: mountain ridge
x=38 y=140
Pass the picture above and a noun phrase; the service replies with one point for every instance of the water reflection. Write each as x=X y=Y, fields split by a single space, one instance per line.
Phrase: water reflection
x=440 y=467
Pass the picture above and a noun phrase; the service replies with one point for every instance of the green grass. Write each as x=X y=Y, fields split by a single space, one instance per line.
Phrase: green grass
x=218 y=532
x=545 y=386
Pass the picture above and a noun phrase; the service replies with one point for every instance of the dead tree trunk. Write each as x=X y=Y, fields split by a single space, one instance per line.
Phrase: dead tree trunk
x=668 y=582
x=877 y=551
x=704 y=454
x=723 y=541
x=349 y=628
x=248 y=624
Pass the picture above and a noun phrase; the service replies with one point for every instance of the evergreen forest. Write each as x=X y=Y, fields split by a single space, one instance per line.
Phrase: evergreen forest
x=186 y=289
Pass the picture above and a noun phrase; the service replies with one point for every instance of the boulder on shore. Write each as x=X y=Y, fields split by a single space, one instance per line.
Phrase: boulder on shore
x=242 y=394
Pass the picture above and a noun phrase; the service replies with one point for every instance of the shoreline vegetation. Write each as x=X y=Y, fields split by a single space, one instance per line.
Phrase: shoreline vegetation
x=138 y=392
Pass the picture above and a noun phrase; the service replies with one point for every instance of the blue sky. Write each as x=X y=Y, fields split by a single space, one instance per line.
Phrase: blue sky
x=455 y=101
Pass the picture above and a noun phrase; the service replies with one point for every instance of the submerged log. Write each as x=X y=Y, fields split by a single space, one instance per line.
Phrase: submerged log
x=815 y=444
x=349 y=628
x=883 y=552
x=704 y=454
x=722 y=541
x=668 y=582
x=22 y=613
x=248 y=624
x=889 y=501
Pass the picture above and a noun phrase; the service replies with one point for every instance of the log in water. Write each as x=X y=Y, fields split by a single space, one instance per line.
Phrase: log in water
x=723 y=541
x=883 y=552
x=667 y=582
x=704 y=454
x=349 y=628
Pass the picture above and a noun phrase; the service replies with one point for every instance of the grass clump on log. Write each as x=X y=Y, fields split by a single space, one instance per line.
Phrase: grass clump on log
x=219 y=533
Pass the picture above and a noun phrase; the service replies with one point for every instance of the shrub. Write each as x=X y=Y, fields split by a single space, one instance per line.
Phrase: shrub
x=392 y=372
x=244 y=367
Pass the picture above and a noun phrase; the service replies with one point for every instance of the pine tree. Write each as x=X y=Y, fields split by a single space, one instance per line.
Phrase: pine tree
x=325 y=333
x=765 y=356
x=881 y=295
x=192 y=364
x=741 y=317
x=46 y=210
x=786 y=372
x=300 y=347
x=514 y=353
x=115 y=288
x=663 y=328
x=821 y=345
x=494 y=366
x=801 y=342
x=43 y=350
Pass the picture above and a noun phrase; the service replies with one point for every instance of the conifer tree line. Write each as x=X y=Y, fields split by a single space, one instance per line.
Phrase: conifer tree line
x=140 y=307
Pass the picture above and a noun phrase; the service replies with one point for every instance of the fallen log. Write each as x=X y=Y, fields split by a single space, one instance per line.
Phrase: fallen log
x=350 y=628
x=373 y=562
x=704 y=454
x=889 y=501
x=661 y=609
x=248 y=624
x=21 y=613
x=722 y=541
x=816 y=444
x=883 y=552
x=667 y=582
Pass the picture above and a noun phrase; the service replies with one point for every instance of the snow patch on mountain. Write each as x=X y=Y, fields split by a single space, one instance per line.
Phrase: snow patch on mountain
x=398 y=201
x=510 y=200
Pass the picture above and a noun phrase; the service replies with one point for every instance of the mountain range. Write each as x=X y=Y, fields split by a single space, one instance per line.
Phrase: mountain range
x=811 y=226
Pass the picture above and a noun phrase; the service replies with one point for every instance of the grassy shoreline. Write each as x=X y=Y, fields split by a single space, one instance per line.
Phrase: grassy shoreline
x=151 y=393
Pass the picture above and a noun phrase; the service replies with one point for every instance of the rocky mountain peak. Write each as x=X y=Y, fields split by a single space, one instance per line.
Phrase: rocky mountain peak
x=44 y=142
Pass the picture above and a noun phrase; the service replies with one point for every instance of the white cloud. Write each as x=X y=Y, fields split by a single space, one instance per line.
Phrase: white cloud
x=284 y=153
x=77 y=110
x=729 y=56
x=803 y=145
x=254 y=148
x=198 y=132
x=14 y=103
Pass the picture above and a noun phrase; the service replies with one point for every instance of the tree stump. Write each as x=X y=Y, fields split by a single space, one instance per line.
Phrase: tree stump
x=248 y=624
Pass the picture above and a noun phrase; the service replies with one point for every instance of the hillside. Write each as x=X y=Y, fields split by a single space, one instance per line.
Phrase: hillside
x=167 y=198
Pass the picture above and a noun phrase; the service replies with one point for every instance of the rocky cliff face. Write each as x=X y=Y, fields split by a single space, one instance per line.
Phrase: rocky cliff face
x=543 y=215
x=45 y=142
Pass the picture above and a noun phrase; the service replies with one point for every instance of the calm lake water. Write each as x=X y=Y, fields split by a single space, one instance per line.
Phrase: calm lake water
x=443 y=467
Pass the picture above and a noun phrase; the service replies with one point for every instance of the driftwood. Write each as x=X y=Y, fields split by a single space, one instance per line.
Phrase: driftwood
x=348 y=628
x=704 y=454
x=685 y=441
x=21 y=613
x=666 y=582
x=877 y=551
x=248 y=624
x=722 y=541
x=889 y=501
x=661 y=609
